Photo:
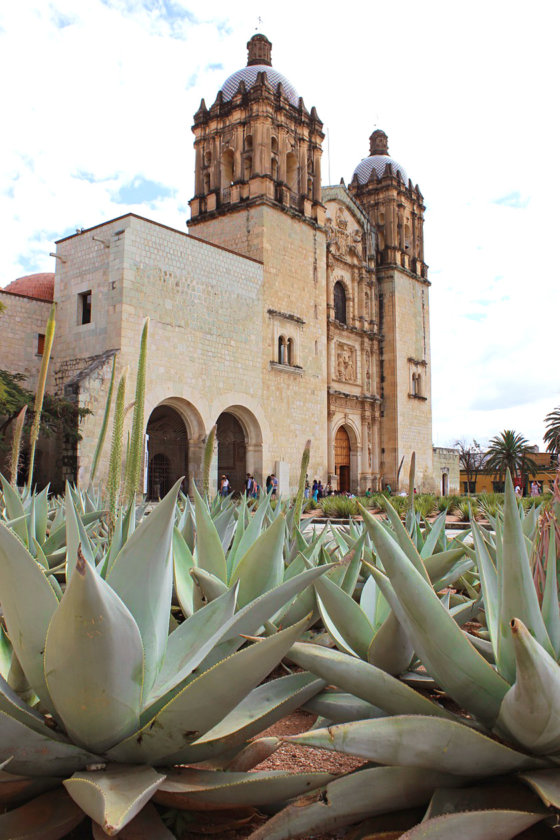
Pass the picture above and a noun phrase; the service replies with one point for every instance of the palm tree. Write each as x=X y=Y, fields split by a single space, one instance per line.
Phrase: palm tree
x=510 y=451
x=552 y=434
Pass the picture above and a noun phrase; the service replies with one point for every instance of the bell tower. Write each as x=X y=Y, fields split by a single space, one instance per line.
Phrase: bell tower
x=257 y=143
x=395 y=208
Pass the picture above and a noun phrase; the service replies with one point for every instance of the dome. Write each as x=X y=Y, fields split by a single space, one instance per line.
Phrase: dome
x=39 y=286
x=259 y=52
x=378 y=163
x=249 y=76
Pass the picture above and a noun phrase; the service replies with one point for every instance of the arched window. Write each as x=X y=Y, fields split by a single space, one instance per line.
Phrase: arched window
x=339 y=302
x=292 y=171
x=207 y=158
x=290 y=354
x=227 y=168
x=282 y=350
x=247 y=168
x=274 y=144
x=407 y=238
x=206 y=182
x=274 y=168
x=249 y=142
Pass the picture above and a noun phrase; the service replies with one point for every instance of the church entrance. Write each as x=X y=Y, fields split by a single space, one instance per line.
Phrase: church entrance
x=232 y=451
x=342 y=459
x=167 y=451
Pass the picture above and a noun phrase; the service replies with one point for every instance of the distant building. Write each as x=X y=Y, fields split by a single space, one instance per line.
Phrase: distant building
x=487 y=481
x=289 y=312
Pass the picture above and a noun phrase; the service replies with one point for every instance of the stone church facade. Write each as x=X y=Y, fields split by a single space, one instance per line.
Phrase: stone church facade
x=289 y=311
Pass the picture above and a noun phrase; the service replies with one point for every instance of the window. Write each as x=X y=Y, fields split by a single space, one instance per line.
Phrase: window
x=416 y=385
x=292 y=171
x=40 y=344
x=227 y=168
x=290 y=351
x=274 y=144
x=281 y=350
x=247 y=168
x=339 y=302
x=84 y=307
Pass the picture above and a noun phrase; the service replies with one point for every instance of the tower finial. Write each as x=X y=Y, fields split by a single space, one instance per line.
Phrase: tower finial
x=378 y=143
x=259 y=50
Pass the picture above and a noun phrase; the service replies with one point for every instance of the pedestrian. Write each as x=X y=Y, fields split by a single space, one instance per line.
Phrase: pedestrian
x=224 y=485
x=535 y=489
x=274 y=486
x=248 y=484
x=268 y=483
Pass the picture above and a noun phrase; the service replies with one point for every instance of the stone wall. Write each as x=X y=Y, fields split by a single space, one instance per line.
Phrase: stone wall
x=446 y=463
x=21 y=323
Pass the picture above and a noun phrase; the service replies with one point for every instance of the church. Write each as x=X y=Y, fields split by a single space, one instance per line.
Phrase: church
x=289 y=311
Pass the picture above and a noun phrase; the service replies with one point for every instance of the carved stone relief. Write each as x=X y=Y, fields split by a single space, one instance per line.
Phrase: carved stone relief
x=345 y=362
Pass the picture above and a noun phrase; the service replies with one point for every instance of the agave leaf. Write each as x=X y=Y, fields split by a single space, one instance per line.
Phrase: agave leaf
x=343 y=618
x=401 y=535
x=363 y=680
x=214 y=790
x=94 y=662
x=474 y=825
x=225 y=523
x=550 y=602
x=144 y=567
x=253 y=754
x=529 y=711
x=15 y=510
x=261 y=568
x=57 y=537
x=518 y=596
x=6 y=652
x=546 y=784
x=146 y=824
x=437 y=530
x=373 y=603
x=419 y=741
x=390 y=649
x=15 y=790
x=437 y=639
x=489 y=585
x=341 y=707
x=205 y=700
x=262 y=707
x=36 y=754
x=346 y=800
x=439 y=565
x=353 y=563
x=13 y=705
x=192 y=640
x=209 y=554
x=76 y=536
x=48 y=817
x=208 y=586
x=112 y=797
x=495 y=794
x=249 y=619
x=28 y=603
x=247 y=536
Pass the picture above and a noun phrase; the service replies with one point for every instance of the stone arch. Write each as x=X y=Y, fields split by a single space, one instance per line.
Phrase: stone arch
x=242 y=434
x=175 y=432
x=346 y=443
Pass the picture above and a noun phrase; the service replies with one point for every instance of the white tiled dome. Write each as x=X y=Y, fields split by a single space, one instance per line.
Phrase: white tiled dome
x=249 y=76
x=377 y=163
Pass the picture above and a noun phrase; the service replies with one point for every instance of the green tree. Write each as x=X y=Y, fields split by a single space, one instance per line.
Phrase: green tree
x=471 y=458
x=58 y=415
x=552 y=434
x=510 y=451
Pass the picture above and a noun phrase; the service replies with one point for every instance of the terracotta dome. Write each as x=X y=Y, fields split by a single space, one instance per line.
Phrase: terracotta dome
x=39 y=286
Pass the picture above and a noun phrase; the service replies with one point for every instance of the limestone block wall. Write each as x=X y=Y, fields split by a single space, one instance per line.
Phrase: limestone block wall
x=21 y=323
x=293 y=252
x=407 y=422
x=205 y=336
x=446 y=463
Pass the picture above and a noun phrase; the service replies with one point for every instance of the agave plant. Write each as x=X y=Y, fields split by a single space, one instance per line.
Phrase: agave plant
x=471 y=782
x=114 y=701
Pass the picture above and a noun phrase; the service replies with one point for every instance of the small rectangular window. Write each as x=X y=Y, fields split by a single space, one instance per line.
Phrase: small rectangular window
x=40 y=344
x=84 y=307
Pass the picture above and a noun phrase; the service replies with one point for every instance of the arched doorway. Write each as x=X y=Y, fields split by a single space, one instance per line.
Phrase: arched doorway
x=342 y=459
x=232 y=450
x=167 y=451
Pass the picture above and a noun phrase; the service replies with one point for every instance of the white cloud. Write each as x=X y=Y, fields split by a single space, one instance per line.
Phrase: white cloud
x=100 y=95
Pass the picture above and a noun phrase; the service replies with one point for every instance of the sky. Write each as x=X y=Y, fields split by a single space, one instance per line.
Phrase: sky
x=97 y=101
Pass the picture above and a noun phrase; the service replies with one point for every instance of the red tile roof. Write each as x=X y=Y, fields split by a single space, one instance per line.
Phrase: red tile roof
x=33 y=285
